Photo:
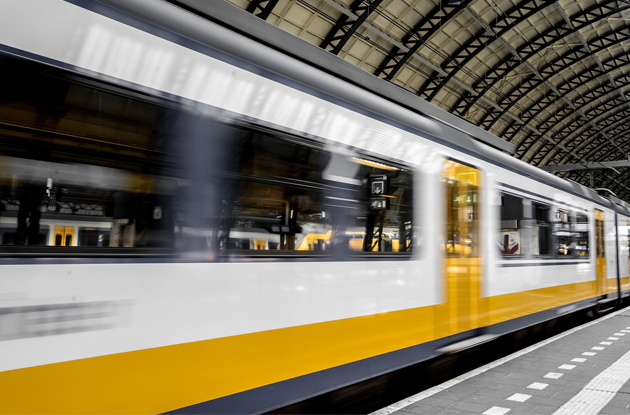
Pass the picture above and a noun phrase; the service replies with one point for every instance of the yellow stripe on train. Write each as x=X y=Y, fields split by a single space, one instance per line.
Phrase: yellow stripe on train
x=167 y=378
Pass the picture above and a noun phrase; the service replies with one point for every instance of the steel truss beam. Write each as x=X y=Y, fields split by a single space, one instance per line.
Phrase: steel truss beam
x=569 y=122
x=551 y=36
x=587 y=166
x=600 y=68
x=347 y=26
x=262 y=8
x=599 y=106
x=569 y=85
x=418 y=35
x=611 y=110
x=565 y=88
x=621 y=133
x=479 y=42
x=612 y=86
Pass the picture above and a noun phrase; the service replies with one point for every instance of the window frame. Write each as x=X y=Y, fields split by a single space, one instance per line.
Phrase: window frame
x=524 y=237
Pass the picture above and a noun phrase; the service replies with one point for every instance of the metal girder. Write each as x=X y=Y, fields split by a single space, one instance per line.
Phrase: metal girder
x=563 y=112
x=587 y=166
x=575 y=149
x=418 y=35
x=596 y=112
x=601 y=42
x=600 y=117
x=604 y=151
x=526 y=51
x=616 y=182
x=347 y=26
x=570 y=84
x=621 y=134
x=551 y=70
x=262 y=8
x=607 y=117
x=570 y=123
x=480 y=41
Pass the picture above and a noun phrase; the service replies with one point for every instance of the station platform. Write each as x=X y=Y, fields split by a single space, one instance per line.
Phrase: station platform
x=585 y=370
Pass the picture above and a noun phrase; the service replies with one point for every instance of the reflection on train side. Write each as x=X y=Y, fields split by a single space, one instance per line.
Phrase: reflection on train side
x=89 y=167
x=50 y=319
x=532 y=236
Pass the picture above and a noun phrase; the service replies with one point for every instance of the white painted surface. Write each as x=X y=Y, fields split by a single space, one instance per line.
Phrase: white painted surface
x=178 y=303
x=599 y=391
x=519 y=397
x=497 y=410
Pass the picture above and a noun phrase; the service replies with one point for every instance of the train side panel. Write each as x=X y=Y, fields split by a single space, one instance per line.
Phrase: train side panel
x=166 y=331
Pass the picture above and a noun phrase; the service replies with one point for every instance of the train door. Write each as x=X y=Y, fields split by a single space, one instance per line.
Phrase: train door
x=64 y=235
x=600 y=252
x=461 y=247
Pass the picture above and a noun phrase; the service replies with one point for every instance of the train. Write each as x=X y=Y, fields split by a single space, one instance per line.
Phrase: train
x=194 y=221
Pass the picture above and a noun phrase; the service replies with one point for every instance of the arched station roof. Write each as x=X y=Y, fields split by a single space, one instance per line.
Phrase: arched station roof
x=550 y=77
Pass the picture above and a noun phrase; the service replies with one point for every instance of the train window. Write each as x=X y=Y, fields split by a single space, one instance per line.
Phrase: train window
x=284 y=194
x=9 y=236
x=511 y=225
x=107 y=171
x=581 y=236
x=382 y=220
x=541 y=244
x=81 y=156
x=563 y=234
x=273 y=197
x=462 y=216
x=93 y=237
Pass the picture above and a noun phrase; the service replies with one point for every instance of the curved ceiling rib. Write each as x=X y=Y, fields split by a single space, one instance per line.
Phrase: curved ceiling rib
x=345 y=28
x=598 y=106
x=621 y=132
x=568 y=123
x=418 y=35
x=614 y=113
x=534 y=46
x=566 y=86
x=479 y=42
x=262 y=8
x=556 y=67
x=573 y=129
x=583 y=127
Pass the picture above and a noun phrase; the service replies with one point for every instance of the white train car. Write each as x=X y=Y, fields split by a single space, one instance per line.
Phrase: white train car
x=208 y=159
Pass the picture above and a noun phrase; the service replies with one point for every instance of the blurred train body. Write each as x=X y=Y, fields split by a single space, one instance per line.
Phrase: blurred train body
x=184 y=226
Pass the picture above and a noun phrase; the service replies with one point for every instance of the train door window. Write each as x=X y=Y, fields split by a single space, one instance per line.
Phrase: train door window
x=599 y=234
x=64 y=235
x=510 y=242
x=381 y=221
x=462 y=219
x=563 y=234
x=581 y=236
x=541 y=241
